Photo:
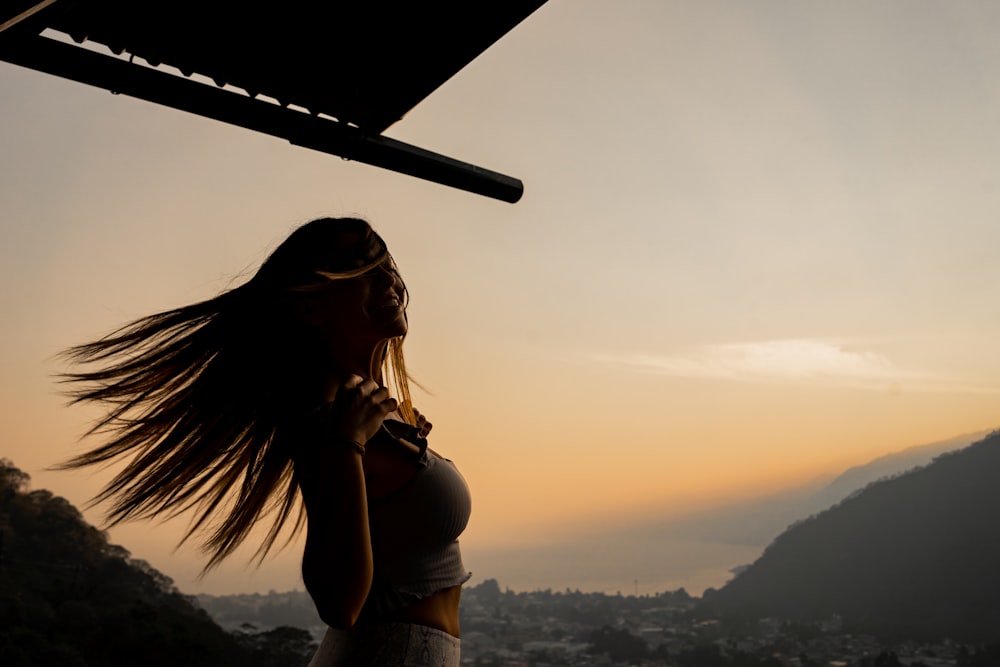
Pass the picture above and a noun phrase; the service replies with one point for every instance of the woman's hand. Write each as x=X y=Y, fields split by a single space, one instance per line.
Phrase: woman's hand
x=357 y=410
x=422 y=423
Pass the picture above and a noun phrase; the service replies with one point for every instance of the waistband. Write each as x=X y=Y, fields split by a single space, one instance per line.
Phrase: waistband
x=387 y=645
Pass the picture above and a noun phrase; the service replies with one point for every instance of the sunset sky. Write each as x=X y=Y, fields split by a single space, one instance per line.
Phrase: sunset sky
x=758 y=244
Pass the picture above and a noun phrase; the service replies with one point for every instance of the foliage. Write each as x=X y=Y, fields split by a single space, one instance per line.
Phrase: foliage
x=986 y=656
x=619 y=644
x=710 y=655
x=938 y=525
x=70 y=598
x=280 y=646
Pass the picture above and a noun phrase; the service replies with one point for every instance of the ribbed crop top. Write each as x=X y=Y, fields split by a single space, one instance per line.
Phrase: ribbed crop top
x=415 y=529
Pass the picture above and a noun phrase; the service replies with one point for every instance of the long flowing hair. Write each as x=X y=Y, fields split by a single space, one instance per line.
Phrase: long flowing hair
x=201 y=399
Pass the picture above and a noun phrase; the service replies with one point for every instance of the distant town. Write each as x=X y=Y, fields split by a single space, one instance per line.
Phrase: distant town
x=901 y=572
x=545 y=628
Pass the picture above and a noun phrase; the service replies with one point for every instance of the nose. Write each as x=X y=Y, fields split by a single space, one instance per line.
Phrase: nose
x=395 y=282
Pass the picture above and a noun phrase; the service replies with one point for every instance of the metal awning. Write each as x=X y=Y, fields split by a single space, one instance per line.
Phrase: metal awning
x=329 y=75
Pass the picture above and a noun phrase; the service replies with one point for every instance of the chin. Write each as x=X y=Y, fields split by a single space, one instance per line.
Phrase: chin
x=396 y=328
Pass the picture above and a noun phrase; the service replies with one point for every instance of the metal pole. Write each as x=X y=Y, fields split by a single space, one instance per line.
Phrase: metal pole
x=299 y=128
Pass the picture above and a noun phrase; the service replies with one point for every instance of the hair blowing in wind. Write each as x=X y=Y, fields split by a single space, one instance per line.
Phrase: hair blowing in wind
x=202 y=401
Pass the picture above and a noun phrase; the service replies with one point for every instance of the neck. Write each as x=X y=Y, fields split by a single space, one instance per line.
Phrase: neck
x=359 y=359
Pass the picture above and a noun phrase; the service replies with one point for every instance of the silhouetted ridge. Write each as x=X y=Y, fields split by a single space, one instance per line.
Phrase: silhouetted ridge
x=70 y=598
x=913 y=556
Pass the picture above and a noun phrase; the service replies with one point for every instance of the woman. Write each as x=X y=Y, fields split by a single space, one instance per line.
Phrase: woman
x=233 y=406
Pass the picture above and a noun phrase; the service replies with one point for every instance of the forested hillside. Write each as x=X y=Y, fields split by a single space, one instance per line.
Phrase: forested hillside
x=70 y=598
x=914 y=556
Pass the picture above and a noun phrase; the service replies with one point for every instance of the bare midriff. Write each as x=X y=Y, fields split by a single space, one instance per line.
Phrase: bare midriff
x=439 y=611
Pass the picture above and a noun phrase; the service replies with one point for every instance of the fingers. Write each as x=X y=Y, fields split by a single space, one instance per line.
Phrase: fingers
x=363 y=386
x=357 y=410
x=352 y=381
x=422 y=423
x=378 y=394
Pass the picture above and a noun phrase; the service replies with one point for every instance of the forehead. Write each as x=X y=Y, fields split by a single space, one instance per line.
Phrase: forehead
x=358 y=249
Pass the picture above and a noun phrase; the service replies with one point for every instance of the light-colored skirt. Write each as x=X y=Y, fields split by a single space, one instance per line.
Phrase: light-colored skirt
x=387 y=645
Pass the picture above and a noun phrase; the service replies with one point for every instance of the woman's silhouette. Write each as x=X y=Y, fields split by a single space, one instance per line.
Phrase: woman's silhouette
x=233 y=406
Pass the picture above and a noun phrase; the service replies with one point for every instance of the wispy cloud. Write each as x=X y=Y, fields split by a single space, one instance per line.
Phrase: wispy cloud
x=800 y=361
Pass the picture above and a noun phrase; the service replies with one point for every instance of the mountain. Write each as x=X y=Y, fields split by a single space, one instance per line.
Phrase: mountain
x=70 y=598
x=758 y=521
x=694 y=551
x=913 y=556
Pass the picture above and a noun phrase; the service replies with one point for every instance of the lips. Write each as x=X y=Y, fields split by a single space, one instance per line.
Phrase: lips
x=394 y=305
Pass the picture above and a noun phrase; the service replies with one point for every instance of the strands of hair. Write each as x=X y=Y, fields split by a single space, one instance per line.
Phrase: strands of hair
x=203 y=400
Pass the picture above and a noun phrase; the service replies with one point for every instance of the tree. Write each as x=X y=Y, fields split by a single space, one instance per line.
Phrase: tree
x=70 y=598
x=619 y=645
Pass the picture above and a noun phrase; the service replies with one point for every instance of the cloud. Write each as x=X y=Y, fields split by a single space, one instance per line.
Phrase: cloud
x=800 y=361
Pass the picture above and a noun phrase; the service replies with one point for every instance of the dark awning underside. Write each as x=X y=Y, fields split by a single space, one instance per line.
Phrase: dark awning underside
x=337 y=73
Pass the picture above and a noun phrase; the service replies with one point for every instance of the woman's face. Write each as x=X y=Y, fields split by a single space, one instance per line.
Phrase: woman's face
x=381 y=300
x=365 y=309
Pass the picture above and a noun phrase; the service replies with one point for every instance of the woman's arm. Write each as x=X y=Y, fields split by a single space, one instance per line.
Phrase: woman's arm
x=337 y=564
